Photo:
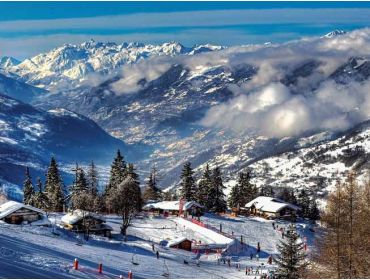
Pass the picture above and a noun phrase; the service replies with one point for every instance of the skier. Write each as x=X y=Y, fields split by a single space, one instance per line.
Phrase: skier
x=273 y=225
x=229 y=262
x=157 y=254
x=258 y=247
x=153 y=247
x=282 y=234
x=251 y=255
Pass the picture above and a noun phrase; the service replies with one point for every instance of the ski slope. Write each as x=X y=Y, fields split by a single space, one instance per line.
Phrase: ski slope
x=37 y=252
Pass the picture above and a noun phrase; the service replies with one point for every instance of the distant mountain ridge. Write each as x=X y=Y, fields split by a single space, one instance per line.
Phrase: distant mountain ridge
x=68 y=65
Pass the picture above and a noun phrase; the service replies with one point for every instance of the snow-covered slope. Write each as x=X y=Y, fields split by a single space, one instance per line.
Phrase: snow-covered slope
x=7 y=61
x=69 y=64
x=18 y=90
x=29 y=137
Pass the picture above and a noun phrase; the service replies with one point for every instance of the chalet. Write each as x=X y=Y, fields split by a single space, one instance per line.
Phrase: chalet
x=13 y=212
x=86 y=222
x=180 y=243
x=271 y=208
x=173 y=208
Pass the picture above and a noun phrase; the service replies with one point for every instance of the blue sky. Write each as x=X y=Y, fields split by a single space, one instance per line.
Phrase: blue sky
x=28 y=28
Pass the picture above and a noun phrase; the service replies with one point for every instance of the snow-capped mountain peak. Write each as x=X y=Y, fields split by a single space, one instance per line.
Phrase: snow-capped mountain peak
x=69 y=64
x=7 y=61
x=334 y=33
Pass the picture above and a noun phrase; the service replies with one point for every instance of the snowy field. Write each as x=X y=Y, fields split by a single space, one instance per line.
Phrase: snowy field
x=35 y=252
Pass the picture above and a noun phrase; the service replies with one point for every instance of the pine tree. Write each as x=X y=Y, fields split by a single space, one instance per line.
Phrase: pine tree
x=266 y=191
x=80 y=195
x=217 y=196
x=204 y=190
x=28 y=190
x=54 y=187
x=152 y=192
x=234 y=196
x=118 y=172
x=188 y=187
x=92 y=179
x=288 y=196
x=313 y=211
x=304 y=203
x=291 y=260
x=40 y=199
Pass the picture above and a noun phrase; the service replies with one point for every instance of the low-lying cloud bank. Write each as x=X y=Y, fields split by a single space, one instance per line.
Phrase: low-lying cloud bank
x=266 y=104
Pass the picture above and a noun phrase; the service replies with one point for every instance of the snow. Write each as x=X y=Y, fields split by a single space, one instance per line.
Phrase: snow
x=37 y=252
x=269 y=204
x=77 y=215
x=171 y=205
x=10 y=207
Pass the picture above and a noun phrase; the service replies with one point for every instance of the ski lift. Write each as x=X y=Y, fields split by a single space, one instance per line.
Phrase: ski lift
x=134 y=260
x=166 y=272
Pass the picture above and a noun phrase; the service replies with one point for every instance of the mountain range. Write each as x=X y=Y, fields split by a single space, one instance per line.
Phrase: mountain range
x=257 y=107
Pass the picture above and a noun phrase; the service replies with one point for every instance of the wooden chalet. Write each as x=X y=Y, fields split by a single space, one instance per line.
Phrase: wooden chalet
x=86 y=222
x=13 y=212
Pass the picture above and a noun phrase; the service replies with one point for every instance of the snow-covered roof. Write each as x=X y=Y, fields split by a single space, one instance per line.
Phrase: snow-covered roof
x=176 y=241
x=77 y=215
x=171 y=205
x=270 y=204
x=11 y=206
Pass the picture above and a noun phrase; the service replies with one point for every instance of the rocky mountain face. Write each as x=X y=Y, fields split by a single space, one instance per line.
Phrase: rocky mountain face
x=163 y=101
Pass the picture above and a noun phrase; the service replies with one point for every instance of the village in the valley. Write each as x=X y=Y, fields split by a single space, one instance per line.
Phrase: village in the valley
x=175 y=238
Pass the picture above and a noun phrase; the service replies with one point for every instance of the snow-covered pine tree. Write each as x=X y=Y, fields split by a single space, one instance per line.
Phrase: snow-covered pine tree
x=187 y=185
x=217 y=196
x=39 y=199
x=152 y=192
x=54 y=187
x=291 y=260
x=205 y=188
x=118 y=172
x=80 y=195
x=28 y=190
x=92 y=178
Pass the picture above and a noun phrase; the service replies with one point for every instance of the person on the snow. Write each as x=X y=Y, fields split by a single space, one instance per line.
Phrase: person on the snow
x=269 y=260
x=153 y=247
x=157 y=254
x=258 y=247
x=229 y=262
x=282 y=234
x=251 y=255
x=273 y=225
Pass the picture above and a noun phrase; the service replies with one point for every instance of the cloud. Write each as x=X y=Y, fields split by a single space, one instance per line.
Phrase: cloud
x=136 y=76
x=314 y=102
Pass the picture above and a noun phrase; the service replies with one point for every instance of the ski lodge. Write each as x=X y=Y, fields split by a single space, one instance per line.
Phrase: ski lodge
x=180 y=243
x=86 y=222
x=13 y=212
x=271 y=208
x=174 y=207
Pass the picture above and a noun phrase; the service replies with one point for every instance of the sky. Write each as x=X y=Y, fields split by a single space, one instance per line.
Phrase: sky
x=29 y=28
